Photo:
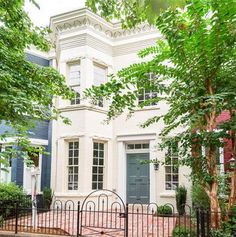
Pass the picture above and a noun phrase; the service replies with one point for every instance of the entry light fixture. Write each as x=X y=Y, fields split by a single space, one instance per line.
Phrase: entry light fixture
x=156 y=165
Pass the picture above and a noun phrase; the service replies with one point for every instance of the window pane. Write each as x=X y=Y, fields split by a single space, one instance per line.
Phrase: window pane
x=100 y=186
x=138 y=146
x=95 y=145
x=95 y=153
x=94 y=186
x=101 y=146
x=130 y=146
x=73 y=168
x=98 y=162
x=145 y=146
x=76 y=153
x=95 y=169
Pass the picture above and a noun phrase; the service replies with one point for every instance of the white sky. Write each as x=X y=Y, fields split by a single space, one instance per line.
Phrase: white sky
x=50 y=8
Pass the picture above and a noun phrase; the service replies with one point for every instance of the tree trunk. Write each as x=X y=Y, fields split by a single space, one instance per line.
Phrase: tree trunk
x=232 y=196
x=216 y=217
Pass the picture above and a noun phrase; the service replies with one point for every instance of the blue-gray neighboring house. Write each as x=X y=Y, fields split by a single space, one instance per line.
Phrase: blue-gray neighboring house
x=40 y=135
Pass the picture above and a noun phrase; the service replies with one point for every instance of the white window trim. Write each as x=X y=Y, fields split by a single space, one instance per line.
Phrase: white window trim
x=142 y=150
x=68 y=65
x=104 y=184
x=171 y=173
x=67 y=164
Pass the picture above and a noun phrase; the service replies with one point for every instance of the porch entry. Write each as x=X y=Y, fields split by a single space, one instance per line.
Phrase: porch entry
x=138 y=183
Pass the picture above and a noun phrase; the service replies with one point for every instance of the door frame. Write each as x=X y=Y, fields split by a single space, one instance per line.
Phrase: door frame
x=136 y=153
x=121 y=162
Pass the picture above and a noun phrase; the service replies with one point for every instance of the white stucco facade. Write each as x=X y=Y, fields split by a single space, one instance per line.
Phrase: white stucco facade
x=84 y=38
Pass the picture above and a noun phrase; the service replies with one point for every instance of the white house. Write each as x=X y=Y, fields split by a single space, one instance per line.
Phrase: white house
x=89 y=154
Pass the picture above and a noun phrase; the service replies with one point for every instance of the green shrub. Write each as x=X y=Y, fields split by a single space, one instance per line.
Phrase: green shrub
x=200 y=197
x=220 y=233
x=181 y=231
x=9 y=195
x=47 y=197
x=164 y=210
x=181 y=197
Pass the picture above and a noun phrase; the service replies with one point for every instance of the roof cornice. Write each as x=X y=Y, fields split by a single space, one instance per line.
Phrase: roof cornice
x=83 y=17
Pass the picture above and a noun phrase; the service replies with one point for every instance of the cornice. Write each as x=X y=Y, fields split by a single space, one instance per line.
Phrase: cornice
x=81 y=18
x=82 y=107
x=96 y=43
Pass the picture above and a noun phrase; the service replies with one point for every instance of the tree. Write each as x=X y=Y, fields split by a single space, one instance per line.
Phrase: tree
x=193 y=71
x=26 y=89
x=131 y=12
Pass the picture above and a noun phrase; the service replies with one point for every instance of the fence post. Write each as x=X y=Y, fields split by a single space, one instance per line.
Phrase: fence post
x=16 y=216
x=127 y=220
x=198 y=224
x=202 y=221
x=78 y=220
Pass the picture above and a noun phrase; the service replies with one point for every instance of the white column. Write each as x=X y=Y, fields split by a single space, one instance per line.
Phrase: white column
x=153 y=187
x=86 y=75
x=122 y=171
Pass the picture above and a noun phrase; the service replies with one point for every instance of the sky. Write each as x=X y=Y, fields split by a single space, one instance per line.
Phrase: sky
x=49 y=8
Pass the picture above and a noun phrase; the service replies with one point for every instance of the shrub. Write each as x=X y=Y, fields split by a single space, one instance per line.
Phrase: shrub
x=220 y=233
x=181 y=231
x=164 y=210
x=47 y=197
x=9 y=195
x=181 y=197
x=200 y=197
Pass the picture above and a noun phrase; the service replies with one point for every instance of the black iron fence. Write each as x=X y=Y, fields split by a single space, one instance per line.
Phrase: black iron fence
x=103 y=213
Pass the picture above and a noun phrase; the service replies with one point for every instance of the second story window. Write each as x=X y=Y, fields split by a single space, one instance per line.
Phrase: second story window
x=76 y=99
x=147 y=95
x=99 y=74
x=74 y=74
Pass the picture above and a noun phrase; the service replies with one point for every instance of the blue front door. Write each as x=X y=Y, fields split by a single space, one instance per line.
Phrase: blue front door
x=137 y=178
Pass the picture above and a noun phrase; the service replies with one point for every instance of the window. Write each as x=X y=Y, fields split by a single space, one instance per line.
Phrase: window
x=76 y=99
x=34 y=158
x=171 y=168
x=74 y=74
x=100 y=74
x=73 y=165
x=147 y=95
x=98 y=165
x=137 y=146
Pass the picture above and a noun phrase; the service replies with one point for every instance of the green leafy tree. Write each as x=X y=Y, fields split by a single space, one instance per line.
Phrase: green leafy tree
x=193 y=71
x=26 y=89
x=131 y=12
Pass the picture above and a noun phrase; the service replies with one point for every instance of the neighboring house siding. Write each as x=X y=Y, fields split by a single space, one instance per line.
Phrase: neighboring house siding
x=4 y=128
x=39 y=131
x=17 y=171
x=38 y=60
x=46 y=161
